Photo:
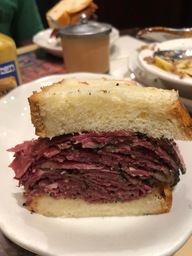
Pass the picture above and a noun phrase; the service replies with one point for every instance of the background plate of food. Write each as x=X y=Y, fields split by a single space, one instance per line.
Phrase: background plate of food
x=175 y=75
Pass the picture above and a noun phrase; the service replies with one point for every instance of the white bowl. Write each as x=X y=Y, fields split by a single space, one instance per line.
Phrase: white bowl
x=170 y=80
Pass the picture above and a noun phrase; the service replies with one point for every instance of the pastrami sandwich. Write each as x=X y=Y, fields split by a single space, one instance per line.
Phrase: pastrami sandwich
x=105 y=148
x=68 y=12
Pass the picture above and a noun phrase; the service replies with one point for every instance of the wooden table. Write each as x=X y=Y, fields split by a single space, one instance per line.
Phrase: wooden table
x=35 y=63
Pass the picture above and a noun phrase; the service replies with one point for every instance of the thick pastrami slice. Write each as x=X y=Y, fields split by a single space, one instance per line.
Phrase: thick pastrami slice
x=98 y=167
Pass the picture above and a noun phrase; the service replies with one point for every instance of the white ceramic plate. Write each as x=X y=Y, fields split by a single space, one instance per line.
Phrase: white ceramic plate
x=137 y=72
x=159 y=34
x=53 y=46
x=184 y=83
x=159 y=235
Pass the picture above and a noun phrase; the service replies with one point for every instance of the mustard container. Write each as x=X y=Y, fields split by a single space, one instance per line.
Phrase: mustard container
x=10 y=76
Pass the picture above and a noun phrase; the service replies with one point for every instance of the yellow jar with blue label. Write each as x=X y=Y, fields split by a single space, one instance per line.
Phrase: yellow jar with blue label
x=10 y=76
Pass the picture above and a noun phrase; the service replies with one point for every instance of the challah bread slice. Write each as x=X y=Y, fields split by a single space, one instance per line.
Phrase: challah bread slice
x=157 y=202
x=108 y=105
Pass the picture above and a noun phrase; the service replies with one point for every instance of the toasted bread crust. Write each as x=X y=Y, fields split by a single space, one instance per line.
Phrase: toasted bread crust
x=100 y=105
x=184 y=119
x=158 y=202
x=35 y=116
x=63 y=20
x=78 y=6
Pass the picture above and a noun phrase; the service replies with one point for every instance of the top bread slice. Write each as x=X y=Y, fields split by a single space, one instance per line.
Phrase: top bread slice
x=72 y=106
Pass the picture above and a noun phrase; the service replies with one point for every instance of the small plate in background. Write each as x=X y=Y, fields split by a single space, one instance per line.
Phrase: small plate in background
x=53 y=45
x=169 y=80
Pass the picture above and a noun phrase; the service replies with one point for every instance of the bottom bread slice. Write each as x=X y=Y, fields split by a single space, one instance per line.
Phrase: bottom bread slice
x=159 y=201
